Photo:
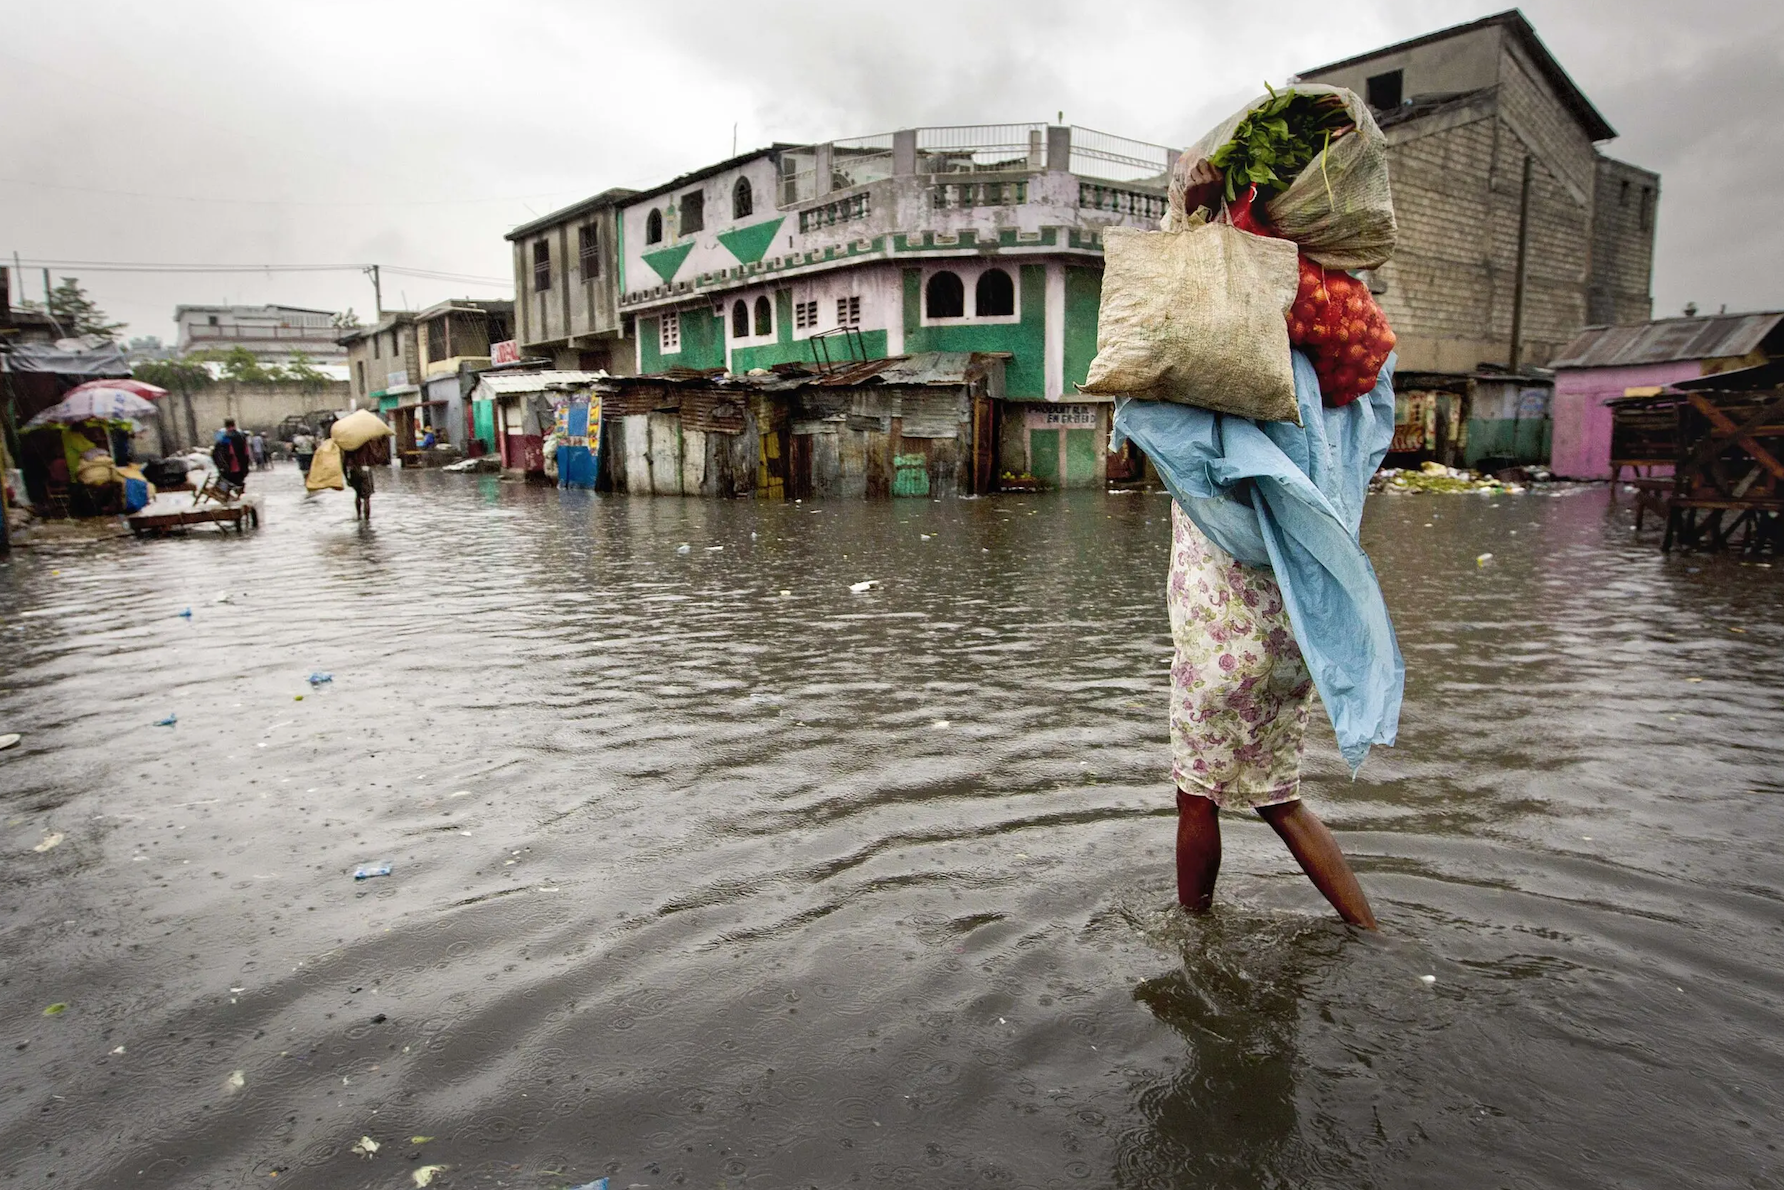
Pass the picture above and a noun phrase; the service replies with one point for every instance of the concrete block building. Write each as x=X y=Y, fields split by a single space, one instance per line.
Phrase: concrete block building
x=1516 y=230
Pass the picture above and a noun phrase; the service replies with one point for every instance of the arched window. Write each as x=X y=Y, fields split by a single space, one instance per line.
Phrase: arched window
x=740 y=320
x=653 y=227
x=995 y=294
x=743 y=199
x=945 y=296
x=764 y=317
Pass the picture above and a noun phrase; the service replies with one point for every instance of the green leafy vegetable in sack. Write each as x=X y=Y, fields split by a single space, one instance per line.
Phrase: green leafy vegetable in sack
x=1273 y=144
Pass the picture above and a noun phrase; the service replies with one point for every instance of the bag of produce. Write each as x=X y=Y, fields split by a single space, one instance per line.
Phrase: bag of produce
x=1320 y=164
x=325 y=469
x=357 y=429
x=1337 y=324
x=1197 y=316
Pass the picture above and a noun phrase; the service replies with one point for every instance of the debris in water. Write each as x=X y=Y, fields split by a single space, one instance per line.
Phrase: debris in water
x=785 y=592
x=940 y=724
x=167 y=722
x=186 y=615
x=317 y=678
x=49 y=841
x=236 y=1081
x=597 y=1184
x=925 y=536
x=367 y=871
x=55 y=1010
x=11 y=738
x=1427 y=979
x=425 y=1175
x=365 y=1146
x=1483 y=559
x=864 y=585
x=683 y=548
x=419 y=1140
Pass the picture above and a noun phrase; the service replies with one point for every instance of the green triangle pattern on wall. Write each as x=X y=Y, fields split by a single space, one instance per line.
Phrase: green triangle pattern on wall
x=748 y=244
x=667 y=261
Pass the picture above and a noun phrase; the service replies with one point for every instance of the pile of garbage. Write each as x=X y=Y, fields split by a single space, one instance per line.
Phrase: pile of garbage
x=1435 y=477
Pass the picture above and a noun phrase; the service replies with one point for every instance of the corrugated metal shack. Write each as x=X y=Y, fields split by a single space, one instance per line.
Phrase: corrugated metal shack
x=916 y=425
x=1606 y=363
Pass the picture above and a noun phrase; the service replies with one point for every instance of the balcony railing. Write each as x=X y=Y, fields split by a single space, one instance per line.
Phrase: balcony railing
x=322 y=334
x=982 y=148
x=1118 y=200
x=953 y=196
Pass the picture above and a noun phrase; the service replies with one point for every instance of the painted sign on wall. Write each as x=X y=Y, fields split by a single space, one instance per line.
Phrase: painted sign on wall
x=505 y=352
x=1062 y=417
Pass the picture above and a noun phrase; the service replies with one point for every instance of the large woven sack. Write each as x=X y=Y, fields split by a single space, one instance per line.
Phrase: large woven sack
x=1198 y=317
x=325 y=469
x=1340 y=210
x=357 y=429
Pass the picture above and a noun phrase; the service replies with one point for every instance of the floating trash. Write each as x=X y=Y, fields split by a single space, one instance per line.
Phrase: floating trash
x=317 y=678
x=427 y=1173
x=864 y=585
x=1427 y=979
x=368 y=871
x=55 y=1010
x=49 y=841
x=9 y=740
x=365 y=1146
x=1483 y=559
x=167 y=722
x=186 y=615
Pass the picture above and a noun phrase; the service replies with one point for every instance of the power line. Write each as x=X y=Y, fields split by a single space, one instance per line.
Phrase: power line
x=134 y=266
x=283 y=202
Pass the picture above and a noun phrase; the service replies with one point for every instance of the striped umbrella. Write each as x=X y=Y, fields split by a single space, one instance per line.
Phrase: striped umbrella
x=106 y=404
x=136 y=388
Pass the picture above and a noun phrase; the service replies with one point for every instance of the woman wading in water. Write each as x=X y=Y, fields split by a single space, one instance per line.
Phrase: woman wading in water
x=1241 y=685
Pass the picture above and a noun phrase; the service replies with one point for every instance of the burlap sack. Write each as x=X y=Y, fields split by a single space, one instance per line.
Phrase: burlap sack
x=325 y=469
x=357 y=429
x=1198 y=317
x=1341 y=209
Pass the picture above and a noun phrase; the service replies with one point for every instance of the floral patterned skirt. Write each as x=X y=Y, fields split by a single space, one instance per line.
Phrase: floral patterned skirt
x=1240 y=691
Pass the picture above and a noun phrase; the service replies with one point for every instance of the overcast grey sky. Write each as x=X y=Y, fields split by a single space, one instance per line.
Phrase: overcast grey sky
x=415 y=132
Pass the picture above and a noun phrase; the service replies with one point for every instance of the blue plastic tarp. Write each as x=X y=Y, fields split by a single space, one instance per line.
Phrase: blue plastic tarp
x=1291 y=498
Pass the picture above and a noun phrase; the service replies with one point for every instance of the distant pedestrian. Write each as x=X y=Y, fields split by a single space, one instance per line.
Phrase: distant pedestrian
x=358 y=464
x=257 y=449
x=303 y=446
x=232 y=455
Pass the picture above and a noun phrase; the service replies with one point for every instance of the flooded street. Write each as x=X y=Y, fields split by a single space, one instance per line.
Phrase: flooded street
x=708 y=872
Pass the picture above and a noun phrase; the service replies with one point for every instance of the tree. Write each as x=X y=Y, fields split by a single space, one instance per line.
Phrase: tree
x=238 y=364
x=302 y=371
x=346 y=320
x=76 y=313
x=183 y=376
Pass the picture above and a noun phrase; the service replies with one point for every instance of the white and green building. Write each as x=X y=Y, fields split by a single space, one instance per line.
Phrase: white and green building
x=984 y=238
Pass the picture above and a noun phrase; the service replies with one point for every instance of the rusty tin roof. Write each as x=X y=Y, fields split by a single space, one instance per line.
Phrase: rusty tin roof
x=1667 y=340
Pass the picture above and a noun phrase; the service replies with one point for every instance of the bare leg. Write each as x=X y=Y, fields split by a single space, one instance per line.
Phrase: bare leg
x=1314 y=848
x=1198 y=851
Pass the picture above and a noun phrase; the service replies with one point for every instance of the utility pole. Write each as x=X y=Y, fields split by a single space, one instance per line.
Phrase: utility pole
x=1517 y=292
x=377 y=293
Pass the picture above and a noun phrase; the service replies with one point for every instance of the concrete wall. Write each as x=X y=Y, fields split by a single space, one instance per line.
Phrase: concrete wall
x=185 y=423
x=1625 y=208
x=392 y=349
x=1461 y=63
x=580 y=307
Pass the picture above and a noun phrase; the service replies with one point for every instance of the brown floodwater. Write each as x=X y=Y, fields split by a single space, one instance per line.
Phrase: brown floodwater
x=708 y=872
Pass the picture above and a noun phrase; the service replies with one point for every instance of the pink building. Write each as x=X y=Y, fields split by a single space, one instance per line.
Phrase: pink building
x=1605 y=362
